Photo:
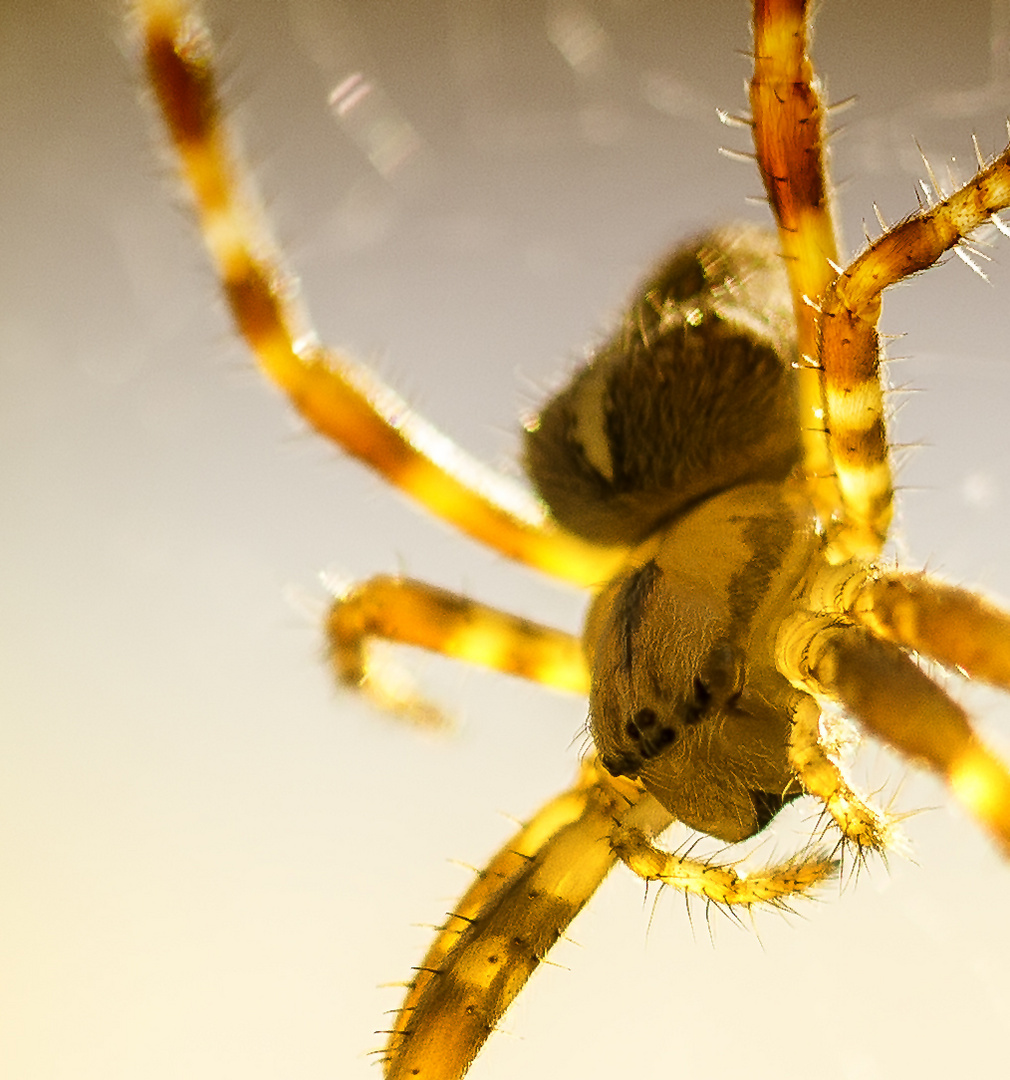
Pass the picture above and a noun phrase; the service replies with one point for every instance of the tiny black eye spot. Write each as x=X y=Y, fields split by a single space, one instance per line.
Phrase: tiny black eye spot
x=644 y=719
x=667 y=737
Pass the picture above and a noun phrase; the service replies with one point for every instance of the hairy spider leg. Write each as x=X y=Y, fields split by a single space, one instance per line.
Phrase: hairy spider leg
x=837 y=311
x=850 y=343
x=412 y=612
x=536 y=884
x=522 y=902
x=336 y=396
x=508 y=920
x=787 y=123
x=722 y=884
x=953 y=626
x=818 y=766
x=834 y=659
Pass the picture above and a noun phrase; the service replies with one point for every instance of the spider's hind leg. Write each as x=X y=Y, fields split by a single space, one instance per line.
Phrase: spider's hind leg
x=789 y=143
x=335 y=395
x=850 y=344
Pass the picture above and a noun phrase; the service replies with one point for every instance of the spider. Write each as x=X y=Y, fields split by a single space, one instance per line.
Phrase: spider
x=718 y=477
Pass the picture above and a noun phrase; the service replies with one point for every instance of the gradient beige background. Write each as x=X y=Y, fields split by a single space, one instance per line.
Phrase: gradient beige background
x=211 y=859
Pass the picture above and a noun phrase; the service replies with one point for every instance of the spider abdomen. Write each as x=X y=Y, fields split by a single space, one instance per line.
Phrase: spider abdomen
x=694 y=394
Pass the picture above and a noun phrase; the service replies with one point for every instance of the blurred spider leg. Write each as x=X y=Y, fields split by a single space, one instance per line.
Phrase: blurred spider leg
x=508 y=921
x=773 y=885
x=831 y=658
x=951 y=625
x=850 y=346
x=413 y=613
x=788 y=127
x=338 y=397
x=956 y=627
x=822 y=774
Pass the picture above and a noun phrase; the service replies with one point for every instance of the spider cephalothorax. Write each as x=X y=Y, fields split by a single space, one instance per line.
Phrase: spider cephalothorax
x=686 y=694
x=717 y=475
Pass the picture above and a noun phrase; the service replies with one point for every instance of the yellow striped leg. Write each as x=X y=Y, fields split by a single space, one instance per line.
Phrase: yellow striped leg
x=508 y=921
x=411 y=612
x=832 y=659
x=339 y=398
x=850 y=346
x=775 y=885
x=788 y=126
x=947 y=624
x=837 y=312
x=817 y=765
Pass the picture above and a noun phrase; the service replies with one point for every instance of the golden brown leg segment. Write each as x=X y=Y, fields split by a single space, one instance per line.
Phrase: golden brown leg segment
x=837 y=313
x=507 y=922
x=850 y=346
x=775 y=885
x=337 y=397
x=410 y=612
x=951 y=625
x=788 y=125
x=877 y=683
x=817 y=765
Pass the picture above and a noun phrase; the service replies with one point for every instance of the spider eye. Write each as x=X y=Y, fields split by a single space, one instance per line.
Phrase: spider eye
x=649 y=735
x=722 y=672
x=642 y=721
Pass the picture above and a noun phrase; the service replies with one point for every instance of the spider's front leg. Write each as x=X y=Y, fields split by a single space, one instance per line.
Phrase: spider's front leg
x=823 y=651
x=722 y=884
x=814 y=755
x=881 y=686
x=838 y=310
x=524 y=899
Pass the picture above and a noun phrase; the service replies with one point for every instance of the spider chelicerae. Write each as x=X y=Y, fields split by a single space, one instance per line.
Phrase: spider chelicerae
x=721 y=471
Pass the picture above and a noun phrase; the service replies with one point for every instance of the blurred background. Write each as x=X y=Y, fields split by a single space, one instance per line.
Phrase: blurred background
x=212 y=860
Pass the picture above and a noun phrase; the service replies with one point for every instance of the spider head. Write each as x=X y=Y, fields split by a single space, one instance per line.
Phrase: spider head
x=685 y=692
